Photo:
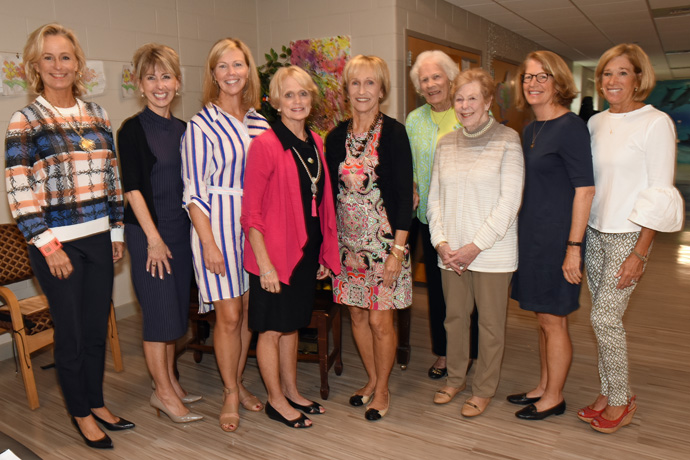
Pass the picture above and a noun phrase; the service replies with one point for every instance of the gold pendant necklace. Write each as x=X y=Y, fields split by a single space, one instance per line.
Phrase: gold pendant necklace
x=534 y=137
x=86 y=145
x=314 y=180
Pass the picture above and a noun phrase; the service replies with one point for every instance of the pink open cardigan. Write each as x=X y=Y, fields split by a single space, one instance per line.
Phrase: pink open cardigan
x=272 y=204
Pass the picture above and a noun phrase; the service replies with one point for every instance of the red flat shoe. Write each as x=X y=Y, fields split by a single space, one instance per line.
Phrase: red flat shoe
x=603 y=425
x=587 y=414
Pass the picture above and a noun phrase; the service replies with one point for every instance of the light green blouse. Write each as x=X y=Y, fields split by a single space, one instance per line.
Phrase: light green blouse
x=424 y=128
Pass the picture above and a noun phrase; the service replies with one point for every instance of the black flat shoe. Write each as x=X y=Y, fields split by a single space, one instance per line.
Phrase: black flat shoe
x=437 y=372
x=521 y=399
x=299 y=422
x=104 y=443
x=120 y=425
x=530 y=412
x=312 y=409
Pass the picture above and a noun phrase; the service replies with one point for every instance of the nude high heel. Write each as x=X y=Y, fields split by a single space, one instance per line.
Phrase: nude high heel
x=159 y=406
x=230 y=417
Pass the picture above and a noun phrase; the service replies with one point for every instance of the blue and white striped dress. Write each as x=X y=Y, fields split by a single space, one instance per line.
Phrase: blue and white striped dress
x=214 y=149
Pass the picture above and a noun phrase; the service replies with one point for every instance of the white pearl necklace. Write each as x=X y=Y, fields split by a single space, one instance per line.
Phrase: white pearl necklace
x=480 y=132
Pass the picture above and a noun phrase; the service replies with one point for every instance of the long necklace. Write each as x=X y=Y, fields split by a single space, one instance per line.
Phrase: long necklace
x=480 y=132
x=534 y=137
x=314 y=180
x=86 y=145
x=370 y=133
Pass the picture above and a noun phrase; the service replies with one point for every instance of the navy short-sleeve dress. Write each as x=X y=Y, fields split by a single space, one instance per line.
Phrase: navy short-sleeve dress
x=558 y=159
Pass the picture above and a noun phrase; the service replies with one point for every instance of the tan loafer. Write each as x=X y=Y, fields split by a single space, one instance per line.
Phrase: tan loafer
x=446 y=394
x=470 y=409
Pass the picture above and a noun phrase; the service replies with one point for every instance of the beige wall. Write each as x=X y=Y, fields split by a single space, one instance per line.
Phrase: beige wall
x=111 y=30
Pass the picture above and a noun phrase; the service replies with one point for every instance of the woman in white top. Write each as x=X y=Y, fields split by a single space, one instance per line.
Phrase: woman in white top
x=474 y=197
x=213 y=160
x=634 y=152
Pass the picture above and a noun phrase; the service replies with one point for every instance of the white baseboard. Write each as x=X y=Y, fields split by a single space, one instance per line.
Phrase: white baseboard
x=121 y=312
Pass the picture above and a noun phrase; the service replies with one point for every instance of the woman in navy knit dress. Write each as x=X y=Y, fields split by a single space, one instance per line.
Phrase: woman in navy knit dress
x=157 y=226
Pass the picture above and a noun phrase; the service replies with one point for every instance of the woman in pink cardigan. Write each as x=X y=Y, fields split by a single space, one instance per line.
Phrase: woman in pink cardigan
x=289 y=218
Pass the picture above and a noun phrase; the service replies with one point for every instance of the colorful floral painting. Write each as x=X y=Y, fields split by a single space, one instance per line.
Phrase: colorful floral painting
x=128 y=87
x=13 y=76
x=94 y=78
x=324 y=59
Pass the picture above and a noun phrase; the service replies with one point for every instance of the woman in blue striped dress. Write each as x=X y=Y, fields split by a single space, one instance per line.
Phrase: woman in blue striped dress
x=213 y=160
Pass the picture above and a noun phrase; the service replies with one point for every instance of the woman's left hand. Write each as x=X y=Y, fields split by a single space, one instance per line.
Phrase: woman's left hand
x=630 y=272
x=460 y=259
x=322 y=273
x=571 y=266
x=392 y=268
x=118 y=250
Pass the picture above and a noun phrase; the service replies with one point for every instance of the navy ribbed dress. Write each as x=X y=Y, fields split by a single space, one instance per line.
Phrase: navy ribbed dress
x=164 y=303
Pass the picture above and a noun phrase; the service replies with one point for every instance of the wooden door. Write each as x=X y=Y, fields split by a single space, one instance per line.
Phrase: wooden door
x=503 y=106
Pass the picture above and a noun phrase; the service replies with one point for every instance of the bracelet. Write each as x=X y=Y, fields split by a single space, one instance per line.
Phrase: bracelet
x=267 y=273
x=401 y=248
x=640 y=256
x=51 y=247
x=396 y=256
x=574 y=243
x=439 y=245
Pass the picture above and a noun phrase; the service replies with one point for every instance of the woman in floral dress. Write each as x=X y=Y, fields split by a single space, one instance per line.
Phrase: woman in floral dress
x=371 y=157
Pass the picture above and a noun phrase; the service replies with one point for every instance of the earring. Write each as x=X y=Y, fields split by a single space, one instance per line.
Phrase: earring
x=142 y=94
x=177 y=93
x=635 y=89
x=279 y=110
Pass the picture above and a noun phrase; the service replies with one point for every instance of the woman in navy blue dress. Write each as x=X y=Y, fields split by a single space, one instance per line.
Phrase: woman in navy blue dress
x=559 y=187
x=157 y=226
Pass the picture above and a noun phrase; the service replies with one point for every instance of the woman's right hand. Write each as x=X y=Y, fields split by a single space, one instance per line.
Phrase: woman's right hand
x=269 y=279
x=157 y=260
x=59 y=264
x=213 y=259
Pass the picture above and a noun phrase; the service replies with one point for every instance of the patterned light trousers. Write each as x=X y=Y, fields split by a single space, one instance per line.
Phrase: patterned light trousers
x=604 y=255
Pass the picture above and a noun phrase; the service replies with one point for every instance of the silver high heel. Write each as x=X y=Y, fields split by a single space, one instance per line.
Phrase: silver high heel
x=159 y=406
x=186 y=399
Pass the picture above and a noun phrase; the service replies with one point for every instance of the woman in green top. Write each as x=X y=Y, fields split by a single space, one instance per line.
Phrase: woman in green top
x=432 y=75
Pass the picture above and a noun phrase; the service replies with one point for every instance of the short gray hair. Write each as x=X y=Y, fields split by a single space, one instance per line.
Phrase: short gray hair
x=450 y=67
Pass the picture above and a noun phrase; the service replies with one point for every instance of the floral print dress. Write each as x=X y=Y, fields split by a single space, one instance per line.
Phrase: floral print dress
x=364 y=231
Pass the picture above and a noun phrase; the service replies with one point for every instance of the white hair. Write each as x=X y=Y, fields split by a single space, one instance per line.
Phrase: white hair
x=449 y=67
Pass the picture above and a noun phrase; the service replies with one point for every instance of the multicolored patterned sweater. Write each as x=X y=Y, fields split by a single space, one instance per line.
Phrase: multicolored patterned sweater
x=55 y=188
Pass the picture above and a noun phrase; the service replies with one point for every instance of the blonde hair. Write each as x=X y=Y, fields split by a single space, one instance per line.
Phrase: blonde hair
x=644 y=70
x=275 y=89
x=479 y=75
x=562 y=78
x=251 y=93
x=153 y=54
x=34 y=49
x=448 y=65
x=378 y=65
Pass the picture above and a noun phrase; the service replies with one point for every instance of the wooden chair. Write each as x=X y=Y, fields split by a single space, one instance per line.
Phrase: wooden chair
x=29 y=319
x=325 y=318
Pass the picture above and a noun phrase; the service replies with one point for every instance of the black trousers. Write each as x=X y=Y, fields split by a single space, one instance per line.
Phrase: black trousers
x=80 y=306
x=437 y=306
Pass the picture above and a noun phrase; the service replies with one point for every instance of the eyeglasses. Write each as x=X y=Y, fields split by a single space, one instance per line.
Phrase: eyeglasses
x=541 y=77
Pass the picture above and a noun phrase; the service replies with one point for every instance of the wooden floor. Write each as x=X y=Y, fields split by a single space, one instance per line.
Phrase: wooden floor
x=658 y=325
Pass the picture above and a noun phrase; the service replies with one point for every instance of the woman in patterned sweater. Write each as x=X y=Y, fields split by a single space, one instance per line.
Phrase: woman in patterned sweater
x=63 y=188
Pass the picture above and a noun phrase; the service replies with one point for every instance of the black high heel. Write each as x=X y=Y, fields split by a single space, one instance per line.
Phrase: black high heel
x=120 y=425
x=104 y=443
x=299 y=422
x=312 y=409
